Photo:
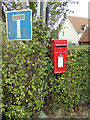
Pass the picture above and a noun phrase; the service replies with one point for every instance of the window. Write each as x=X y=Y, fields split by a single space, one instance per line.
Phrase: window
x=62 y=33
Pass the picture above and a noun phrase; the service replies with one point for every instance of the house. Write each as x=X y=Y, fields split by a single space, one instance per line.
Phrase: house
x=72 y=29
x=85 y=39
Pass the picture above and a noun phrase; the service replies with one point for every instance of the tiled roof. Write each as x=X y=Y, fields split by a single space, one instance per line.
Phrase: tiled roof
x=78 y=22
x=85 y=37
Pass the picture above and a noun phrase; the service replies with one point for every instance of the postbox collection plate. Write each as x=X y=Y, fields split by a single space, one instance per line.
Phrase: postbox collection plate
x=60 y=62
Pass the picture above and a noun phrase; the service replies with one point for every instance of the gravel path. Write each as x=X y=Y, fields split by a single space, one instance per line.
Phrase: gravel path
x=81 y=113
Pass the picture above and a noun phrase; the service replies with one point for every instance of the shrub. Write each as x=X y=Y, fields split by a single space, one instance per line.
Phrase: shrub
x=70 y=89
x=24 y=73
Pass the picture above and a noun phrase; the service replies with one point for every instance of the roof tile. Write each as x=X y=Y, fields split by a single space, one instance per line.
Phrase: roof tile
x=85 y=37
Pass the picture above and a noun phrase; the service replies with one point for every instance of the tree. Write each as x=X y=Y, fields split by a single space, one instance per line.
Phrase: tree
x=57 y=12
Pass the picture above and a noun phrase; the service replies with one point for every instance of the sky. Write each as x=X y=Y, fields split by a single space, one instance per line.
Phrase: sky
x=80 y=10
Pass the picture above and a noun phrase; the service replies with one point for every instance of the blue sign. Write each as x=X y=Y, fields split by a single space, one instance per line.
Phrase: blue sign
x=19 y=24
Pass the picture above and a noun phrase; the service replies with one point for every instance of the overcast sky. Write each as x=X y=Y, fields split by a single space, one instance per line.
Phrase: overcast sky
x=81 y=9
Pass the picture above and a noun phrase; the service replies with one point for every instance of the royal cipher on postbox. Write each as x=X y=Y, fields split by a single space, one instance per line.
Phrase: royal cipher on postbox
x=58 y=55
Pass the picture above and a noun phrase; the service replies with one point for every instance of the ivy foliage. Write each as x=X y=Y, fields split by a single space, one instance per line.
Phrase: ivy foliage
x=24 y=73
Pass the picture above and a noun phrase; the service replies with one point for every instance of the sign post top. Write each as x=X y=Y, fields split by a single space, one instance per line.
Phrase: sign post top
x=19 y=10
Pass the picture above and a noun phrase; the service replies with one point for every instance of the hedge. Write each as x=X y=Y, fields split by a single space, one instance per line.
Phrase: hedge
x=27 y=76
x=24 y=73
x=70 y=89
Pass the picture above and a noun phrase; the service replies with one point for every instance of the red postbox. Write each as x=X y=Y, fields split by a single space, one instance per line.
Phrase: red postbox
x=58 y=55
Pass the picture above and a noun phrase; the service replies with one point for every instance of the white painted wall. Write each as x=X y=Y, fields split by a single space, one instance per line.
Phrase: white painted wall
x=70 y=34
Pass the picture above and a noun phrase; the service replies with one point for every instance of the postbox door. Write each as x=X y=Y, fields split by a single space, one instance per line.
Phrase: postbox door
x=60 y=62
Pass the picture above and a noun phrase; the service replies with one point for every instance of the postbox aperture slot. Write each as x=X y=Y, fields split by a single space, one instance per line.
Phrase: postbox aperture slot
x=57 y=45
x=60 y=46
